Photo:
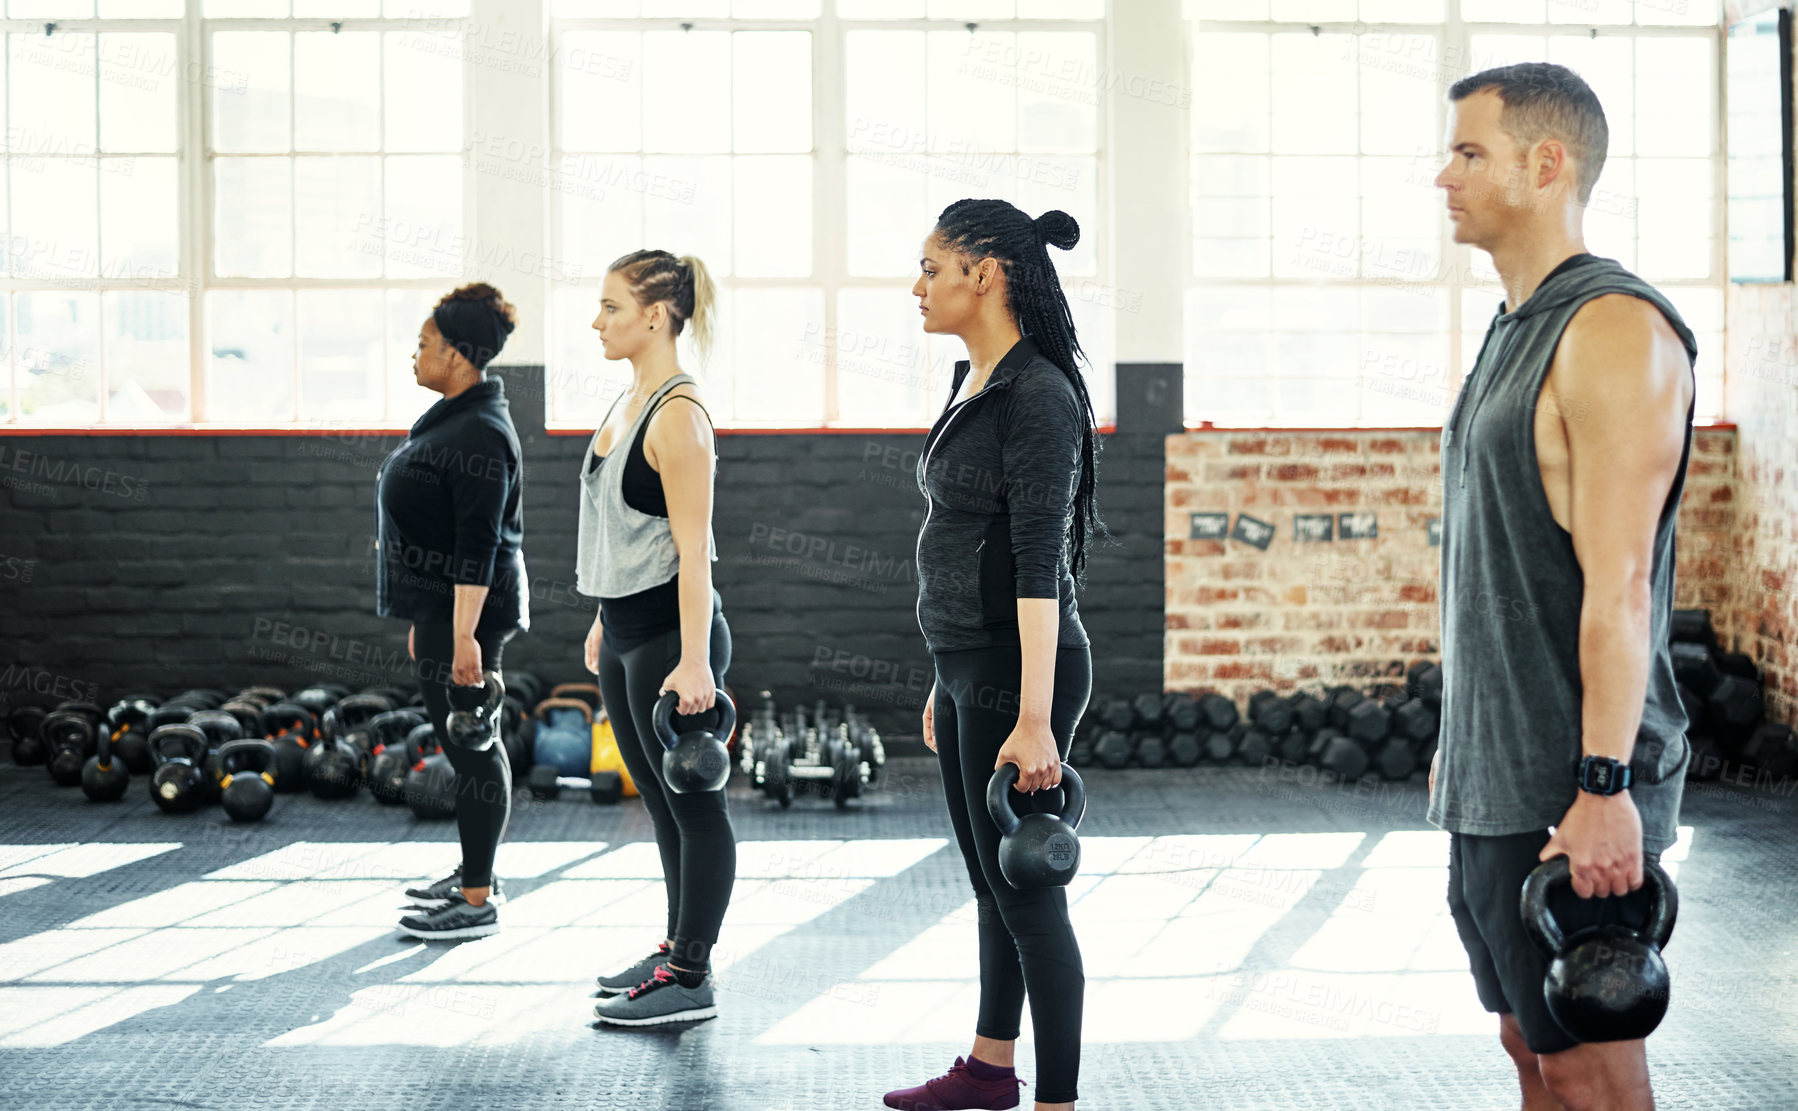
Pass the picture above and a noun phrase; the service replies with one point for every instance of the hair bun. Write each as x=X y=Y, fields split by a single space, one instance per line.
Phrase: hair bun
x=481 y=291
x=1057 y=229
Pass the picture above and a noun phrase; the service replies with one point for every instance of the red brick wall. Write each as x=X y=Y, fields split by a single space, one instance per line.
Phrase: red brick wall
x=1310 y=614
x=1763 y=399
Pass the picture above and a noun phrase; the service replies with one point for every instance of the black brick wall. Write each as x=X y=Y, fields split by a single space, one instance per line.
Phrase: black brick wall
x=166 y=562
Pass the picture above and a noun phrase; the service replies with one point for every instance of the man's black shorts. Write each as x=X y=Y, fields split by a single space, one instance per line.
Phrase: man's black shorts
x=1485 y=882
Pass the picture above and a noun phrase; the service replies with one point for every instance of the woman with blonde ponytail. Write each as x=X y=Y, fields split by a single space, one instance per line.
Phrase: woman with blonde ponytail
x=646 y=551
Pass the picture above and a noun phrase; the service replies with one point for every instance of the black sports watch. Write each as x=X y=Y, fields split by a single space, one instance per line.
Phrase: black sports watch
x=1601 y=775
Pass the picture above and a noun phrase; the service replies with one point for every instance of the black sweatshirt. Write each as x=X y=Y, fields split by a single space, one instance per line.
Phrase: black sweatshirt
x=449 y=511
x=999 y=472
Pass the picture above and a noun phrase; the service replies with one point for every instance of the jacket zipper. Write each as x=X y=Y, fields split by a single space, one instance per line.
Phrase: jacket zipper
x=930 y=502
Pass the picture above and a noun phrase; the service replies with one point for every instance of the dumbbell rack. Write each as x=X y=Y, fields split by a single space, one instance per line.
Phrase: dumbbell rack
x=780 y=753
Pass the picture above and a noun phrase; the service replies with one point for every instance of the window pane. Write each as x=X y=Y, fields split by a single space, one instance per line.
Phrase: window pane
x=773 y=216
x=426 y=9
x=1610 y=221
x=1674 y=90
x=885 y=375
x=887 y=220
x=1403 y=11
x=421 y=226
x=582 y=382
x=1591 y=13
x=52 y=93
x=1314 y=11
x=690 y=72
x=599 y=9
x=253 y=217
x=146 y=356
x=336 y=9
x=249 y=366
x=601 y=105
x=693 y=218
x=1314 y=94
x=772 y=105
x=337 y=91
x=1231 y=69
x=1059 y=113
x=341 y=368
x=1502 y=11
x=879 y=9
x=769 y=386
x=1607 y=64
x=602 y=210
x=971 y=9
x=968 y=69
x=139 y=219
x=1398 y=93
x=138 y=76
x=422 y=77
x=58 y=9
x=1691 y=13
x=56 y=199
x=407 y=310
x=775 y=9
x=884 y=91
x=713 y=9
x=1316 y=218
x=58 y=361
x=335 y=201
x=1503 y=50
x=251 y=113
x=1401 y=220
x=245 y=9
x=1227 y=9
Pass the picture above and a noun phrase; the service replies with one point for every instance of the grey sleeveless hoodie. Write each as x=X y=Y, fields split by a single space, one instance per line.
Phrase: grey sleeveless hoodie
x=1512 y=591
x=620 y=550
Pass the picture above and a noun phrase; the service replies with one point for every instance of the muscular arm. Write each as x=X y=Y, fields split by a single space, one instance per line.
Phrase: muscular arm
x=1628 y=376
x=679 y=445
x=1630 y=383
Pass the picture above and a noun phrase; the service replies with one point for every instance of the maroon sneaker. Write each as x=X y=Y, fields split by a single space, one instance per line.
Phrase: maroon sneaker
x=957 y=1090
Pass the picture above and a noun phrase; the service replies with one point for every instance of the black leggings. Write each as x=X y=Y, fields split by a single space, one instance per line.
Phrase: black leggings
x=483 y=779
x=1026 y=939
x=693 y=834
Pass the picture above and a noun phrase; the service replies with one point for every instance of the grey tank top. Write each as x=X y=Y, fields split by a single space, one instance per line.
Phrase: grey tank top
x=1512 y=589
x=621 y=550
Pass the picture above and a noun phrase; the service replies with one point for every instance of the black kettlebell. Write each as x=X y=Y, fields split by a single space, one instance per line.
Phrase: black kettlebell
x=105 y=777
x=24 y=724
x=474 y=728
x=332 y=768
x=292 y=728
x=128 y=724
x=221 y=728
x=430 y=785
x=179 y=751
x=1604 y=983
x=696 y=761
x=391 y=761
x=246 y=779
x=1038 y=850
x=69 y=738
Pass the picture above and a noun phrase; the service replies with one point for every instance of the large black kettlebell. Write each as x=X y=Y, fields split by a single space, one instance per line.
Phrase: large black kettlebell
x=105 y=777
x=474 y=728
x=175 y=784
x=430 y=786
x=1038 y=850
x=696 y=761
x=128 y=723
x=246 y=778
x=1604 y=983
x=293 y=728
x=70 y=737
x=24 y=723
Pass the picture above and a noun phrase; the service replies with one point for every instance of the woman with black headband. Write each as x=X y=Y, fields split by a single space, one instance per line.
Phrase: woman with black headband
x=450 y=528
x=1008 y=476
x=645 y=550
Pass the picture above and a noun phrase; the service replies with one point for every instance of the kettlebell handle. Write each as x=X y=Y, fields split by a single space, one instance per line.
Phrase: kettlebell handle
x=258 y=754
x=998 y=797
x=1663 y=904
x=663 y=718
x=189 y=737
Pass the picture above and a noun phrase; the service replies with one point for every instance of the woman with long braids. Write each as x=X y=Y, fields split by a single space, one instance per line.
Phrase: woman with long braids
x=646 y=551
x=1008 y=477
x=451 y=529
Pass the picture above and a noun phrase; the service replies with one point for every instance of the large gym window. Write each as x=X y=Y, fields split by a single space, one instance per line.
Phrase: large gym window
x=1326 y=289
x=803 y=152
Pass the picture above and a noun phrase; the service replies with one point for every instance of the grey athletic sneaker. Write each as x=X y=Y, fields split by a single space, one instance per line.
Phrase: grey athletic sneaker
x=622 y=981
x=453 y=922
x=439 y=894
x=657 y=1000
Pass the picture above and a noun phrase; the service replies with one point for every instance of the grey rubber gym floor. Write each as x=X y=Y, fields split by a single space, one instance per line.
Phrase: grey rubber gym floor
x=1251 y=941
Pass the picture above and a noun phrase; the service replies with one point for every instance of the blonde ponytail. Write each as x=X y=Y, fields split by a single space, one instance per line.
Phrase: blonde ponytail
x=705 y=305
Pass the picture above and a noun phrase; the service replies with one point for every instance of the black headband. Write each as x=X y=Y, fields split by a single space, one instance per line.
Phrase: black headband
x=473 y=328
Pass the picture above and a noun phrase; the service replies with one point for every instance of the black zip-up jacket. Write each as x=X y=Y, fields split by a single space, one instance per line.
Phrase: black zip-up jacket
x=449 y=512
x=999 y=471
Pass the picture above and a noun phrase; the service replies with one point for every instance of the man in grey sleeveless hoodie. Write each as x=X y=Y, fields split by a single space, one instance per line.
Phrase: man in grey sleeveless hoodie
x=1562 y=465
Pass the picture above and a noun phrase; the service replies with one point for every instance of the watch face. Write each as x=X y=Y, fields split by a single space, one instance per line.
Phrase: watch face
x=1601 y=776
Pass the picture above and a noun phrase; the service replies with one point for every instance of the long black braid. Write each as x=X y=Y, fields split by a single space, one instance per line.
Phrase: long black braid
x=999 y=230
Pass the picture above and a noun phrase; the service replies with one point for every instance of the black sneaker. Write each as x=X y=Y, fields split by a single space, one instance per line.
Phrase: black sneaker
x=440 y=893
x=453 y=922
